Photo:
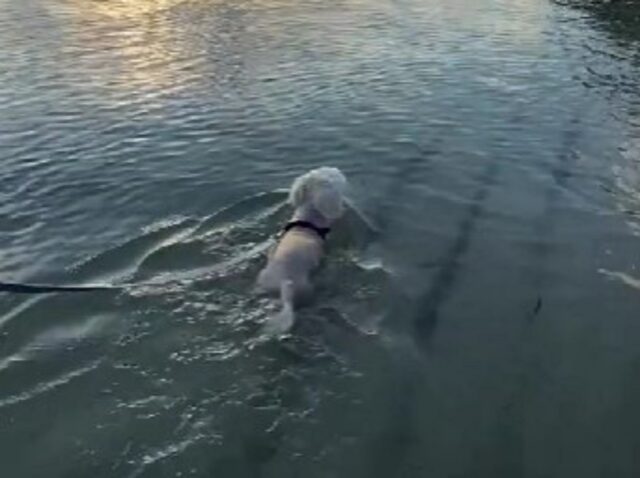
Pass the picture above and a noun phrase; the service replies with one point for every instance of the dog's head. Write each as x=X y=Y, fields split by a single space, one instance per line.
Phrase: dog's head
x=323 y=189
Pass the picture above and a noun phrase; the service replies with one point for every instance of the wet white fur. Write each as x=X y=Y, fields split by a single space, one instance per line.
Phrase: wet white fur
x=318 y=197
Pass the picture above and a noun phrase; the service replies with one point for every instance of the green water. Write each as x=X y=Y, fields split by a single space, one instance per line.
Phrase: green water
x=485 y=324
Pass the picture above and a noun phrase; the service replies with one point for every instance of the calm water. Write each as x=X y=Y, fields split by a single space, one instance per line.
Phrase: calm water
x=494 y=144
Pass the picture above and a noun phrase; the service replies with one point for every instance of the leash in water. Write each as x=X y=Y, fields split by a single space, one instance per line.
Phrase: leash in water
x=22 y=288
x=33 y=288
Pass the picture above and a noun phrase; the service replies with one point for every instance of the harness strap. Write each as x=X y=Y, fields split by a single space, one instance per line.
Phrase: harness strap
x=320 y=231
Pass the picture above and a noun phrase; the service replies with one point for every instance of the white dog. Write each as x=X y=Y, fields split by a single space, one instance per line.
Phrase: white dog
x=318 y=199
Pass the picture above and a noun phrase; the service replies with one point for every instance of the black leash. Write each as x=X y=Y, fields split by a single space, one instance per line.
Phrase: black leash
x=26 y=288
x=20 y=288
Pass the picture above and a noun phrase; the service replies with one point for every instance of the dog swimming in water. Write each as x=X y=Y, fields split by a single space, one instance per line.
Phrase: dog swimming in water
x=318 y=199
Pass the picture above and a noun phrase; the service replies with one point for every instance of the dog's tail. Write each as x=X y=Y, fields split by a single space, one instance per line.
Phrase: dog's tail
x=283 y=321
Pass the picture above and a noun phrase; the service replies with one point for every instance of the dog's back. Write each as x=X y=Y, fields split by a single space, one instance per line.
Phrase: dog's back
x=297 y=254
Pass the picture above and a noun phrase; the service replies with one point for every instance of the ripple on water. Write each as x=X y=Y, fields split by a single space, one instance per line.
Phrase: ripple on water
x=47 y=387
x=477 y=134
x=186 y=364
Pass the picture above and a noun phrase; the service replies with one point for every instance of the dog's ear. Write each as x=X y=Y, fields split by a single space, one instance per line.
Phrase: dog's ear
x=299 y=191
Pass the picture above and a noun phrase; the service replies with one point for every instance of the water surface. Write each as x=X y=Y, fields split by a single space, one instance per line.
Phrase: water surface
x=493 y=144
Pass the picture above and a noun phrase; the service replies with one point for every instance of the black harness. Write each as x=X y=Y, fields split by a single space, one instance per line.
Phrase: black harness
x=320 y=231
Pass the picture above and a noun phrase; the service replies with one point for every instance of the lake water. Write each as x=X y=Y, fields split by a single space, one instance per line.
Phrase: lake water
x=484 y=323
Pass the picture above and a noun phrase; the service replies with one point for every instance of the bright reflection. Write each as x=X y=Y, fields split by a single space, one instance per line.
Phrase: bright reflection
x=129 y=47
x=121 y=9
